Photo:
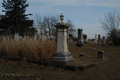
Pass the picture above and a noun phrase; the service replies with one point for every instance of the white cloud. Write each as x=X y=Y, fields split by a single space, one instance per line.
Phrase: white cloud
x=103 y=3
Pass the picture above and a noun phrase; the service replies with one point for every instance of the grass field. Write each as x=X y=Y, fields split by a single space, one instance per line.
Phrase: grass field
x=105 y=69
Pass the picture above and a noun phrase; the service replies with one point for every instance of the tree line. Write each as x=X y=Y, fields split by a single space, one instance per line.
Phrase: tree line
x=15 y=20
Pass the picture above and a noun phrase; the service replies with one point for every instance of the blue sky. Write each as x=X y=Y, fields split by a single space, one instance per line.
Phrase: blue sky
x=84 y=14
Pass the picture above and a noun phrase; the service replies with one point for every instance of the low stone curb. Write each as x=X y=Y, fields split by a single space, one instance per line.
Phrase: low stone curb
x=80 y=68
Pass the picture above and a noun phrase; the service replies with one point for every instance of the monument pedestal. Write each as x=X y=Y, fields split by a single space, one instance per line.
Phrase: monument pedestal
x=62 y=58
x=79 y=43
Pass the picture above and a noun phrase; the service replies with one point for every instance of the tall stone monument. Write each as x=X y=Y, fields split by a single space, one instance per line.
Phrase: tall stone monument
x=62 y=57
x=80 y=41
x=95 y=38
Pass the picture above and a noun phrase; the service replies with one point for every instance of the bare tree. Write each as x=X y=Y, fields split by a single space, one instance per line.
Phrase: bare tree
x=38 y=21
x=110 y=23
x=71 y=29
x=48 y=22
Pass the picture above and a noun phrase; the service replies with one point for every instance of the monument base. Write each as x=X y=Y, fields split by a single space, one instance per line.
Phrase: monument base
x=79 y=45
x=61 y=59
x=103 y=45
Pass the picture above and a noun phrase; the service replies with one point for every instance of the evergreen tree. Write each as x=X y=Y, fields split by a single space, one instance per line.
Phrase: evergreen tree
x=15 y=20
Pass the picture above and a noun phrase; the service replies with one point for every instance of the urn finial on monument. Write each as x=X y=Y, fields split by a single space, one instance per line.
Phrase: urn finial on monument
x=61 y=17
x=62 y=24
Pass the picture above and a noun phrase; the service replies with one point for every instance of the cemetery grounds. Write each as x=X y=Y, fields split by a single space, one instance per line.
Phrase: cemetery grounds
x=102 y=69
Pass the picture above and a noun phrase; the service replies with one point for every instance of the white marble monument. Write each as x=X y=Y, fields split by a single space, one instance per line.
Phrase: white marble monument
x=62 y=57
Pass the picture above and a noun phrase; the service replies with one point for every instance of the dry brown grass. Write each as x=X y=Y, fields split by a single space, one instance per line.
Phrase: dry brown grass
x=105 y=69
x=28 y=49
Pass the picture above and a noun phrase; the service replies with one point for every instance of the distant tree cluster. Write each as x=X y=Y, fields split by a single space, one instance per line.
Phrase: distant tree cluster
x=48 y=22
x=111 y=23
x=15 y=20
x=71 y=29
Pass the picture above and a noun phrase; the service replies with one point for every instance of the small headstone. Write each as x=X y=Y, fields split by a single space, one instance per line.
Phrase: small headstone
x=88 y=40
x=101 y=54
x=70 y=38
x=93 y=41
x=85 y=38
x=81 y=54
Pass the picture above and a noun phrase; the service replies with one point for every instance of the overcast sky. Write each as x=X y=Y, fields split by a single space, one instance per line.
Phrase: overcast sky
x=84 y=14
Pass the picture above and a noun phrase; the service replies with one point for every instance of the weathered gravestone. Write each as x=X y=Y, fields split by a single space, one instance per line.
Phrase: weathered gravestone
x=88 y=40
x=95 y=38
x=80 y=41
x=93 y=41
x=99 y=39
x=85 y=38
x=70 y=38
x=100 y=54
x=81 y=54
x=42 y=33
x=62 y=57
x=103 y=41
